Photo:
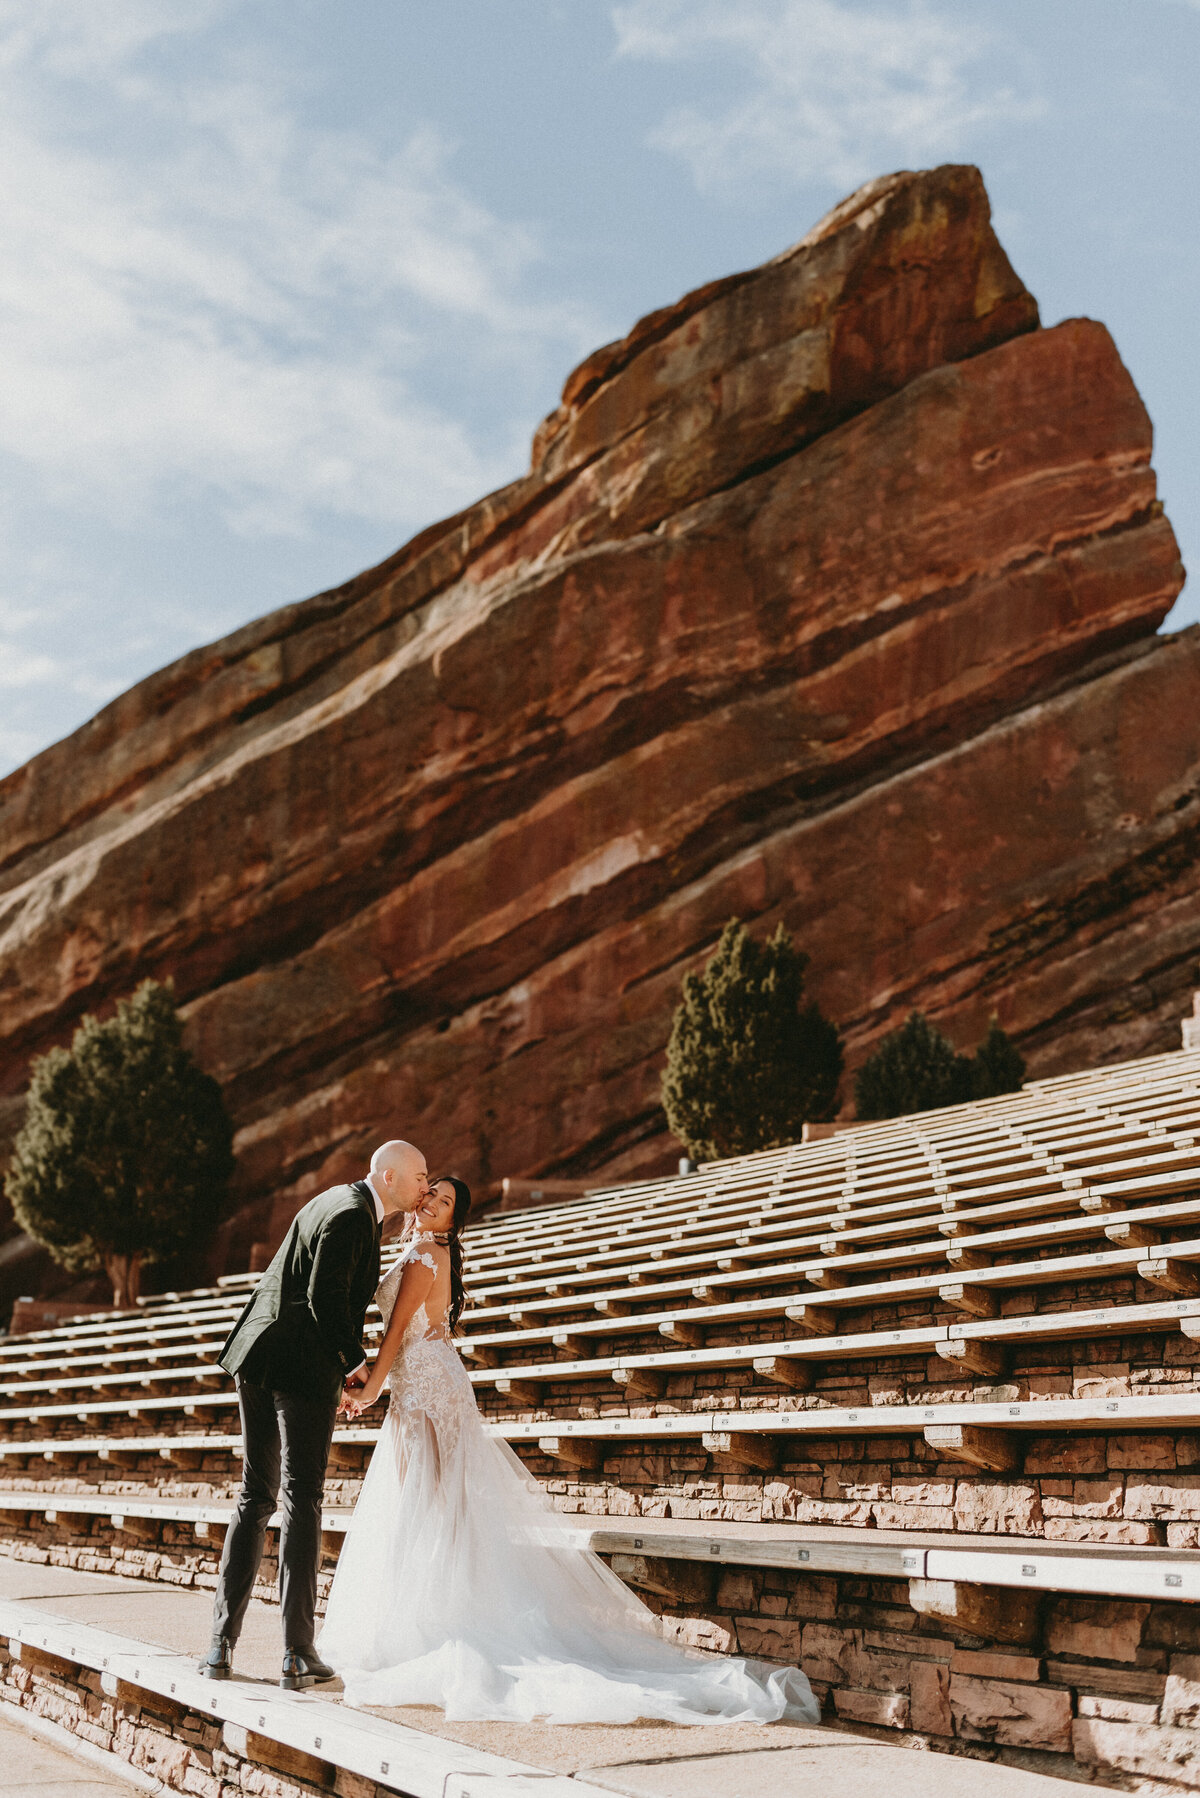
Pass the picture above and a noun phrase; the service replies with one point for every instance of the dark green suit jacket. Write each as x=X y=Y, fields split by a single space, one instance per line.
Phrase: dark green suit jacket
x=302 y=1329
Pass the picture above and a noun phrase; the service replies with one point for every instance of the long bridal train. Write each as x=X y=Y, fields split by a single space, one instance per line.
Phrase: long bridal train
x=457 y=1586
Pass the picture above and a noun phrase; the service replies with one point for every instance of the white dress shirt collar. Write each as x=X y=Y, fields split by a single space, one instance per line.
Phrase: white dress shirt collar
x=379 y=1209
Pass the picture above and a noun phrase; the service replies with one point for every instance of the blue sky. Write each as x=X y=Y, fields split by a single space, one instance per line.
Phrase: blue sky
x=285 y=280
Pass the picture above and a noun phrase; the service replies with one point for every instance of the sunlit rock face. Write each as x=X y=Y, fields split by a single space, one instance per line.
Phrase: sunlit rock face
x=830 y=597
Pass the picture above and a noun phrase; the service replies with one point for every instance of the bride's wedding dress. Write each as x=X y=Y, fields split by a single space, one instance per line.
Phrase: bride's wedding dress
x=456 y=1585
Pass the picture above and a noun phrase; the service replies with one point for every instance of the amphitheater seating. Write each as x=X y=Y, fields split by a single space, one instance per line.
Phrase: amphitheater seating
x=966 y=1197
x=1141 y=1573
x=960 y=1350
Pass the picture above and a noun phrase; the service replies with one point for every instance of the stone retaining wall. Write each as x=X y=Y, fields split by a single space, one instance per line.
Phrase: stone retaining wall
x=186 y=1751
x=1138 y=1488
x=166 y=1553
x=1049 y=1681
x=1054 y=1682
x=1107 y=1689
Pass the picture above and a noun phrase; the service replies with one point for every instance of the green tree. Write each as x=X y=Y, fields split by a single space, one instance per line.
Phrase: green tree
x=997 y=1065
x=917 y=1069
x=126 y=1146
x=747 y=1064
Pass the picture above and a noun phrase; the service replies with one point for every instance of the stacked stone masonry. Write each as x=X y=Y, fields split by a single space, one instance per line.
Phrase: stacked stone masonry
x=183 y=1750
x=629 y=1345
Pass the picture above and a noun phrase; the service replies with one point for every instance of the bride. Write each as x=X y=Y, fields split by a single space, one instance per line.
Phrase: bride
x=457 y=1585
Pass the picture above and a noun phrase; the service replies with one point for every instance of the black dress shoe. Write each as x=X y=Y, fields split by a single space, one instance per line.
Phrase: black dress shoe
x=303 y=1667
x=218 y=1662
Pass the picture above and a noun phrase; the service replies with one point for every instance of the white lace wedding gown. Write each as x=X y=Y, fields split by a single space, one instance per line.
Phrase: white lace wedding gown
x=457 y=1585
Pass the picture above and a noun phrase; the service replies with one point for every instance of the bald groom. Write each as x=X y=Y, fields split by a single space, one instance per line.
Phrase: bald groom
x=296 y=1344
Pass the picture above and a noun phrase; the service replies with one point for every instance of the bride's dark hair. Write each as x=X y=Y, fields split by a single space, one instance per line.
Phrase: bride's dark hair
x=462 y=1211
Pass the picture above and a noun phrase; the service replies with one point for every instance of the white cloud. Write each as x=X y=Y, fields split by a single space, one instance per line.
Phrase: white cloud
x=79 y=38
x=236 y=344
x=832 y=90
x=25 y=668
x=202 y=294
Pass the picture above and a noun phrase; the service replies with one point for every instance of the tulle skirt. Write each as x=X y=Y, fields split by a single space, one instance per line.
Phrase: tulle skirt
x=458 y=1586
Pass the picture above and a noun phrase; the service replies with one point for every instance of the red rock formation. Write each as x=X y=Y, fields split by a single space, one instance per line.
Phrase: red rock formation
x=830 y=596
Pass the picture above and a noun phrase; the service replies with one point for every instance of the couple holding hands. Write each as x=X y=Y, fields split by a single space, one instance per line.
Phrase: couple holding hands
x=458 y=1584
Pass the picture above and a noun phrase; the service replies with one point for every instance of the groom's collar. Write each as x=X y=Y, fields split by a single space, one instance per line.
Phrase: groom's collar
x=369 y=1183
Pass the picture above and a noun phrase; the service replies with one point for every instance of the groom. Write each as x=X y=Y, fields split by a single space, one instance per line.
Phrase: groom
x=297 y=1341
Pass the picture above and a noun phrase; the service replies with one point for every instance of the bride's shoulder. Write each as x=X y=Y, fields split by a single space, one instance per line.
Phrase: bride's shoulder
x=427 y=1250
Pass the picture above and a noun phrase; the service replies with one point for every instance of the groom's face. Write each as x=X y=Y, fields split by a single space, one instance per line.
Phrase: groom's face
x=409 y=1183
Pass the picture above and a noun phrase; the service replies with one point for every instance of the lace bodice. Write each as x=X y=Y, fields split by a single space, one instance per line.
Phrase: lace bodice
x=419 y=1249
x=427 y=1375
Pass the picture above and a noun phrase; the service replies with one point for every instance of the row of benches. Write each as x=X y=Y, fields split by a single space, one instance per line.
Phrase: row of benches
x=791 y=1363
x=764 y=1316
x=1137 y=1213
x=984 y=1431
x=945 y=1360
x=1146 y=1573
x=1160 y=1086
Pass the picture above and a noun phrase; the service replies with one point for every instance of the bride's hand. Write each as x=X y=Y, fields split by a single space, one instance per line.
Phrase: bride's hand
x=366 y=1396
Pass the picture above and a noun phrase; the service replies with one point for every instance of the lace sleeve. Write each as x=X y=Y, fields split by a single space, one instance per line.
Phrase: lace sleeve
x=423 y=1250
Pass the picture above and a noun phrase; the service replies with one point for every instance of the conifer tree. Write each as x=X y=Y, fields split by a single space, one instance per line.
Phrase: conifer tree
x=126 y=1147
x=747 y=1064
x=913 y=1069
x=997 y=1065
x=917 y=1069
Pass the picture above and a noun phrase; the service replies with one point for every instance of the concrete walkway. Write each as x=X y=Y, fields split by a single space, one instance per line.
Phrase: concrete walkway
x=32 y=1768
x=650 y=1760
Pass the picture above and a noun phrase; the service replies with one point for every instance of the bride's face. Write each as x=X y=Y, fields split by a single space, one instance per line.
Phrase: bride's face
x=437 y=1211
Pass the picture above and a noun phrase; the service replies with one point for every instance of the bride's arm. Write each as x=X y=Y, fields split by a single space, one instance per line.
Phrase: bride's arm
x=416 y=1283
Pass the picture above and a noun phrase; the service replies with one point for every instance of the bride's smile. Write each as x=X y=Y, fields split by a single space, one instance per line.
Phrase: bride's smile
x=437 y=1211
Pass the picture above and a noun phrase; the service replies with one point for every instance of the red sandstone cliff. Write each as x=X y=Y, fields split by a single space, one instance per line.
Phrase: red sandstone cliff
x=831 y=596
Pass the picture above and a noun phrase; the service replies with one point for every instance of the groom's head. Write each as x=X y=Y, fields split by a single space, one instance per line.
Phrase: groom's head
x=399 y=1176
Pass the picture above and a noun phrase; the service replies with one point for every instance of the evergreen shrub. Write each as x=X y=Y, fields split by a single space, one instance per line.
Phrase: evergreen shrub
x=126 y=1147
x=747 y=1064
x=916 y=1068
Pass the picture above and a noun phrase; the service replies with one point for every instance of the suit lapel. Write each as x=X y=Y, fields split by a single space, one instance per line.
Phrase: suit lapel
x=367 y=1199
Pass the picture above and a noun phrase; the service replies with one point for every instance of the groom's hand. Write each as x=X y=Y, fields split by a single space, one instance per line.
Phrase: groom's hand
x=354 y=1384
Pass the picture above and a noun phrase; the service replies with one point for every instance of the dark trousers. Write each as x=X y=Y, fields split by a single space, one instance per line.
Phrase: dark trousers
x=285 y=1447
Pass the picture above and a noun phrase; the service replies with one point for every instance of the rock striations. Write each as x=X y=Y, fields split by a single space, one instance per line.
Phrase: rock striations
x=831 y=596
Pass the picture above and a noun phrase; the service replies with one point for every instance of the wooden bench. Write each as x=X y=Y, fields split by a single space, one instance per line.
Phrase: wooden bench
x=999 y=1142
x=187 y=1404
x=689 y=1326
x=970 y=1289
x=1111 y=1187
x=982 y=1434
x=769 y=1223
x=761 y=1253
x=199 y=1373
x=792 y=1362
x=1130 y=1572
x=131 y=1328
x=186 y=1450
x=985 y=1435
x=787 y=1364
